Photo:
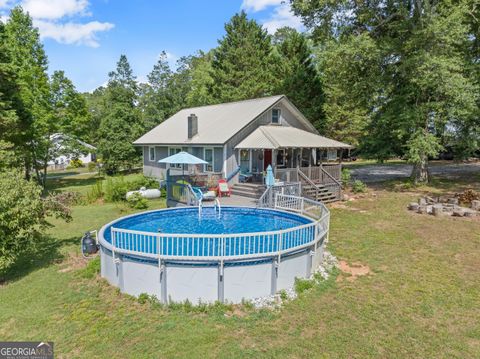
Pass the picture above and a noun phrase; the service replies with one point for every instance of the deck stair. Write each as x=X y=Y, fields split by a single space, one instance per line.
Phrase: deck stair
x=318 y=192
x=250 y=190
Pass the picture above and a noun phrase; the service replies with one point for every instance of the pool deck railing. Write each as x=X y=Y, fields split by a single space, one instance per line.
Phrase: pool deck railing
x=229 y=247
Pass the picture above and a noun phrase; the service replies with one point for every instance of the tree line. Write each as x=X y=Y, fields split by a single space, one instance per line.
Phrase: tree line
x=393 y=79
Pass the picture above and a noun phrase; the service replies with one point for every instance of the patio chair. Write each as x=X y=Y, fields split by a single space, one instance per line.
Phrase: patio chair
x=245 y=177
x=223 y=188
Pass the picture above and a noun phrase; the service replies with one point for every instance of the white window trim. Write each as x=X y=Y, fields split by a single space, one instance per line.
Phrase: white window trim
x=176 y=148
x=279 y=116
x=213 y=159
x=154 y=154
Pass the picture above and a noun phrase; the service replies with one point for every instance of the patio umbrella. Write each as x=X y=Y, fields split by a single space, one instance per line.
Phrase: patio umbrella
x=183 y=158
x=269 y=180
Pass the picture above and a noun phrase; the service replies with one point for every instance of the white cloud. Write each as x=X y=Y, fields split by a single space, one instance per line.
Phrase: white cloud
x=73 y=33
x=59 y=20
x=282 y=16
x=4 y=3
x=55 y=9
x=259 y=5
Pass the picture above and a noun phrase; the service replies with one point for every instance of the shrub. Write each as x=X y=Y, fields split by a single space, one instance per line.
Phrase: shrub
x=75 y=163
x=96 y=192
x=283 y=295
x=92 y=269
x=23 y=215
x=91 y=166
x=301 y=285
x=147 y=182
x=143 y=298
x=346 y=177
x=359 y=187
x=137 y=201
x=115 y=189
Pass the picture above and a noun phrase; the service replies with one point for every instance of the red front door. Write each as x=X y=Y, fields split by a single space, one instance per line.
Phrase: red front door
x=267 y=158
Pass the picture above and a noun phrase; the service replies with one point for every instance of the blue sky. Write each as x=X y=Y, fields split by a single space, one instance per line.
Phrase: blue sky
x=86 y=37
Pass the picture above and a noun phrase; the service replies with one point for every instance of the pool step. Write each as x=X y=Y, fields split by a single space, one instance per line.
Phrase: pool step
x=250 y=190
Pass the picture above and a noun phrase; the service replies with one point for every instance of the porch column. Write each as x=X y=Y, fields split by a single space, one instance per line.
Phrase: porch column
x=250 y=156
x=224 y=161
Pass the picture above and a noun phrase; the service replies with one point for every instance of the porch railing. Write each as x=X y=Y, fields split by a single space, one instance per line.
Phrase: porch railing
x=316 y=177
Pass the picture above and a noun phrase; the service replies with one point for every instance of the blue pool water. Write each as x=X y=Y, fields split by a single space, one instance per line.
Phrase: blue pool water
x=232 y=220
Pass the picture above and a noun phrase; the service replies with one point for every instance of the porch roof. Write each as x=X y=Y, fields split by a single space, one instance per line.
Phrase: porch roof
x=274 y=137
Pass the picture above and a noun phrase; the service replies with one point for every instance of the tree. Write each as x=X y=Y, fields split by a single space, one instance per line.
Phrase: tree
x=97 y=108
x=35 y=120
x=69 y=107
x=244 y=65
x=300 y=80
x=201 y=80
x=425 y=92
x=154 y=99
x=23 y=215
x=8 y=99
x=122 y=123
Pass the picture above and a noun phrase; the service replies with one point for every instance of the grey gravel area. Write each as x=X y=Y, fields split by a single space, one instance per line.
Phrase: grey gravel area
x=380 y=173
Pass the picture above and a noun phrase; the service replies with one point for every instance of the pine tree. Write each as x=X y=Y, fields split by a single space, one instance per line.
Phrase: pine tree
x=301 y=82
x=121 y=124
x=244 y=65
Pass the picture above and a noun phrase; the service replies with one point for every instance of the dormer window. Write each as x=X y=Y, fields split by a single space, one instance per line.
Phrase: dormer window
x=276 y=116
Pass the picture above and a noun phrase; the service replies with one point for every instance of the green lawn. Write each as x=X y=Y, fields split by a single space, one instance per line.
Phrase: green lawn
x=420 y=301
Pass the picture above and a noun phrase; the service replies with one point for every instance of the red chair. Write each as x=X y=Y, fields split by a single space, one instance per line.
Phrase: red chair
x=223 y=188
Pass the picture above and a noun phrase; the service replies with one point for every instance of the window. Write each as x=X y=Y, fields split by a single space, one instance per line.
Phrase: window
x=151 y=154
x=331 y=155
x=208 y=156
x=172 y=151
x=245 y=160
x=276 y=115
x=281 y=158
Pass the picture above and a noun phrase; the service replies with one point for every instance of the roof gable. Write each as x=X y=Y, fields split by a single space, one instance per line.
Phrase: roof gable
x=216 y=123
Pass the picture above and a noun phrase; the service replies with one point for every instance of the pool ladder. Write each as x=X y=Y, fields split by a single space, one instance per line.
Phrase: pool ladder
x=200 y=208
x=217 y=206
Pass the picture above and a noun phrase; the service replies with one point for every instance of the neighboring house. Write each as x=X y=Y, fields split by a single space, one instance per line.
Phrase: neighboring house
x=63 y=153
x=243 y=136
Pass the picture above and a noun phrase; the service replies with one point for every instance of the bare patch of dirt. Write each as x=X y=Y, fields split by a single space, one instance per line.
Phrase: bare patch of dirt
x=72 y=262
x=340 y=205
x=351 y=272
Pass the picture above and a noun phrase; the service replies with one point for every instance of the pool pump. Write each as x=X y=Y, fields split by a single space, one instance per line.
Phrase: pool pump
x=89 y=244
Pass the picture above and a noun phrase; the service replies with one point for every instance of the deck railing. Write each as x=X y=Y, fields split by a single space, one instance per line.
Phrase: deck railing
x=225 y=247
x=268 y=197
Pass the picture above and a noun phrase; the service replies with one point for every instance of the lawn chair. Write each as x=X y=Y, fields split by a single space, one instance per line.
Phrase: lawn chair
x=245 y=177
x=223 y=188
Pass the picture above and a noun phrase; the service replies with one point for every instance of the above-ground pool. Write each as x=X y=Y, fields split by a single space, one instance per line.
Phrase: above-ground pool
x=226 y=254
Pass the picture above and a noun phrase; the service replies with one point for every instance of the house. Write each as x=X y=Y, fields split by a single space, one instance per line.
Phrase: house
x=65 y=149
x=242 y=137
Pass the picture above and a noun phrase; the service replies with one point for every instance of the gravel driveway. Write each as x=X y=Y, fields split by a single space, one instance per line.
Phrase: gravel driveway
x=380 y=173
